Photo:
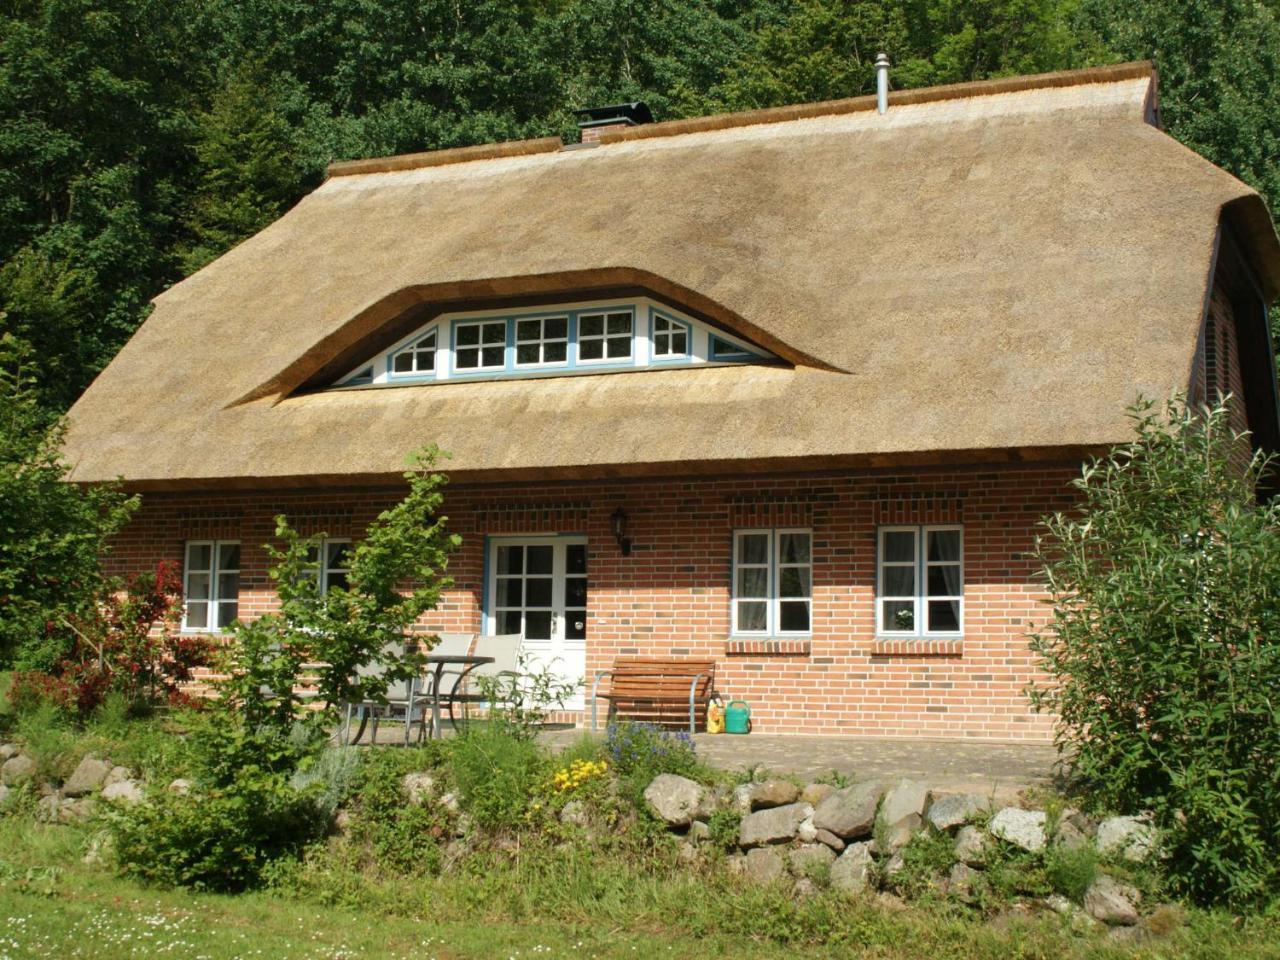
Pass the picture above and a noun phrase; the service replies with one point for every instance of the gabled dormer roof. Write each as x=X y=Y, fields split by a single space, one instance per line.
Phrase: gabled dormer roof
x=991 y=268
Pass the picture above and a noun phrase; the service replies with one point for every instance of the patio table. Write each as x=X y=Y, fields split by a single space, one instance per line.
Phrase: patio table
x=440 y=661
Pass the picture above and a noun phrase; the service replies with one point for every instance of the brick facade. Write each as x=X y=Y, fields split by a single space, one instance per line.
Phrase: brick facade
x=671 y=595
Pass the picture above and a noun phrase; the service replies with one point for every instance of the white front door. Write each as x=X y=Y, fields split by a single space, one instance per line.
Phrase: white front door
x=538 y=589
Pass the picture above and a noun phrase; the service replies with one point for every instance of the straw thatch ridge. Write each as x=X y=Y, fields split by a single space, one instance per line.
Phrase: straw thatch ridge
x=973 y=279
x=438 y=158
x=1140 y=69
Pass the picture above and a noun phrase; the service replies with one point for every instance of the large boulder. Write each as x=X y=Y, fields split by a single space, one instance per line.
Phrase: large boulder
x=674 y=800
x=1112 y=902
x=851 y=872
x=1022 y=828
x=763 y=866
x=900 y=814
x=849 y=813
x=8 y=750
x=954 y=810
x=89 y=775
x=971 y=846
x=774 y=825
x=126 y=791
x=830 y=839
x=806 y=859
x=418 y=786
x=1133 y=838
x=815 y=793
x=17 y=770
x=773 y=793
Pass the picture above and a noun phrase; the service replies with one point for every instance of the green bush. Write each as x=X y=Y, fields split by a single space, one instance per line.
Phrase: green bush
x=1161 y=653
x=400 y=837
x=497 y=774
x=214 y=839
x=1071 y=869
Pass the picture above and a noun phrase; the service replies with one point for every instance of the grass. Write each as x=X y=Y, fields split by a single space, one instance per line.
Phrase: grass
x=566 y=904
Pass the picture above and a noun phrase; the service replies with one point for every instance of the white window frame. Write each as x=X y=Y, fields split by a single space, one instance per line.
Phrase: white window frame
x=480 y=345
x=674 y=327
x=323 y=570
x=604 y=337
x=773 y=615
x=542 y=341
x=417 y=350
x=215 y=572
x=921 y=564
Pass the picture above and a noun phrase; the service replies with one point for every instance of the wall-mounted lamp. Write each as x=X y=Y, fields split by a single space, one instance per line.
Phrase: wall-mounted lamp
x=618 y=524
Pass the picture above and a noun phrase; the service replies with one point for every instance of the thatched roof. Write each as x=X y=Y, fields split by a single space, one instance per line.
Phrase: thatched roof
x=994 y=267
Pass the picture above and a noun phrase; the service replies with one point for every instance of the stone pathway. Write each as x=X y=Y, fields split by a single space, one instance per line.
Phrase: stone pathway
x=959 y=765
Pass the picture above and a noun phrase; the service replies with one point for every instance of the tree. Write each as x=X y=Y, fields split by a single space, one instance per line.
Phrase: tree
x=52 y=533
x=1162 y=653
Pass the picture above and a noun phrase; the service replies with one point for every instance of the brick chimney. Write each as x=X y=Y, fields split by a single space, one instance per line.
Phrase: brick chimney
x=594 y=122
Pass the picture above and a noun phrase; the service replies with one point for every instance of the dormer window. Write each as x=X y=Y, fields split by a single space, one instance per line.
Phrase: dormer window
x=480 y=346
x=551 y=341
x=604 y=336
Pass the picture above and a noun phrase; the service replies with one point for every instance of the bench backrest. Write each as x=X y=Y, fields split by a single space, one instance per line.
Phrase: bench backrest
x=655 y=678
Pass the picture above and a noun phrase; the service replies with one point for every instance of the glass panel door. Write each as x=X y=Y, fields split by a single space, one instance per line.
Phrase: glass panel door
x=538 y=589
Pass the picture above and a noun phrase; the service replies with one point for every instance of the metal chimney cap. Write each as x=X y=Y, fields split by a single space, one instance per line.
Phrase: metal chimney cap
x=632 y=114
x=882 y=59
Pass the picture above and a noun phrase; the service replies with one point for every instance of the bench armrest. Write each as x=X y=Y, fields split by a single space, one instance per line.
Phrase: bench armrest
x=595 y=689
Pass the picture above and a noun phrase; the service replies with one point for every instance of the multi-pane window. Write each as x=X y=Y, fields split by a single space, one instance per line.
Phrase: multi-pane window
x=604 y=336
x=772 y=582
x=481 y=345
x=724 y=350
x=332 y=558
x=210 y=584
x=670 y=337
x=418 y=357
x=920 y=581
x=541 y=340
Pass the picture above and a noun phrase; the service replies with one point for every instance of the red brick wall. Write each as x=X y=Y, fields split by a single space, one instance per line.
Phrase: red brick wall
x=672 y=594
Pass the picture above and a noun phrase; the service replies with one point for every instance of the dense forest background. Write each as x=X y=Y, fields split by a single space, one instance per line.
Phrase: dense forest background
x=139 y=139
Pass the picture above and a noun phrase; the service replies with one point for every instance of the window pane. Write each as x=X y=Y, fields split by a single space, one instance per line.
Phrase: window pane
x=537 y=592
x=228 y=586
x=575 y=625
x=527 y=353
x=509 y=621
x=661 y=344
x=794 y=615
x=751 y=615
x=198 y=556
x=753 y=582
x=944 y=616
x=511 y=559
x=197 y=614
x=510 y=591
x=468 y=358
x=555 y=328
x=339 y=553
x=661 y=324
x=619 y=346
x=944 y=581
x=679 y=343
x=403 y=362
x=576 y=558
x=900 y=545
x=495 y=333
x=537 y=624
x=794 y=582
x=575 y=592
x=555 y=352
x=198 y=586
x=337 y=579
x=944 y=544
x=528 y=329
x=620 y=323
x=228 y=556
x=591 y=349
x=227 y=612
x=539 y=559
x=426 y=360
x=591 y=326
x=899 y=615
x=468 y=336
x=494 y=356
x=793 y=548
x=899 y=581
x=753 y=548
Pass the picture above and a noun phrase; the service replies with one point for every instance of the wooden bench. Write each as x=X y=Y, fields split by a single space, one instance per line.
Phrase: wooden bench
x=650 y=688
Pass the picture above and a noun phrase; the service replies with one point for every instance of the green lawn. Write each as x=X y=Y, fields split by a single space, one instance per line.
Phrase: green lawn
x=52 y=905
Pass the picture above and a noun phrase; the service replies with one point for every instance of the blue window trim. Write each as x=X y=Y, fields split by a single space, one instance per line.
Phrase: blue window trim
x=604 y=363
x=511 y=369
x=507 y=353
x=685 y=357
x=732 y=352
x=416 y=375
x=773 y=598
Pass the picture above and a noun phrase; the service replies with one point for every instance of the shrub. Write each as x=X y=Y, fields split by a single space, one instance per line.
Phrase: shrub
x=496 y=773
x=1071 y=869
x=402 y=837
x=646 y=750
x=1161 y=652
x=520 y=704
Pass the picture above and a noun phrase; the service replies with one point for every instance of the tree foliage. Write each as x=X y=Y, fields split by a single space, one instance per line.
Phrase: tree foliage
x=1161 y=652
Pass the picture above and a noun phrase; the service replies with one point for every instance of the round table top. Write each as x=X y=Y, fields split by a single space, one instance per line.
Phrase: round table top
x=455 y=658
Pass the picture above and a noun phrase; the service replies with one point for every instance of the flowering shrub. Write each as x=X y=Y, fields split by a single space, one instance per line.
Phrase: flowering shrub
x=578 y=774
x=648 y=750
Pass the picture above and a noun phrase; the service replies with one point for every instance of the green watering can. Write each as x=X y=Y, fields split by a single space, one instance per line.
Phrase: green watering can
x=737 y=717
